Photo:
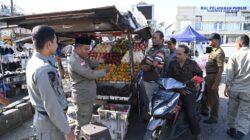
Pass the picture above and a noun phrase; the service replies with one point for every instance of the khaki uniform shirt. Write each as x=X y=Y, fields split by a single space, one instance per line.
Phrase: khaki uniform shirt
x=46 y=91
x=215 y=60
x=83 y=78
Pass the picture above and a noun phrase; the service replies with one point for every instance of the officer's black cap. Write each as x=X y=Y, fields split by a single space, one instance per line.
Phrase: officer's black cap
x=83 y=40
x=214 y=36
x=172 y=40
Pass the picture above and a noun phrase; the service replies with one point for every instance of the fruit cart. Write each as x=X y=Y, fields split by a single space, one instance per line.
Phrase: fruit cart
x=118 y=83
x=124 y=55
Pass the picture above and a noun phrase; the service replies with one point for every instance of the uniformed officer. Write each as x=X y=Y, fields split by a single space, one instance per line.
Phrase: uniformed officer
x=237 y=88
x=214 y=69
x=45 y=88
x=82 y=75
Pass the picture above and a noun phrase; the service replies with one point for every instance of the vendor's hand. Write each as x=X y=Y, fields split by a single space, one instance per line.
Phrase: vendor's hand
x=155 y=63
x=183 y=92
x=215 y=87
x=70 y=136
x=226 y=92
x=146 y=67
x=149 y=62
x=107 y=68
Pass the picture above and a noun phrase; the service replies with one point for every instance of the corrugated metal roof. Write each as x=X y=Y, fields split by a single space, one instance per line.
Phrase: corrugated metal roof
x=71 y=22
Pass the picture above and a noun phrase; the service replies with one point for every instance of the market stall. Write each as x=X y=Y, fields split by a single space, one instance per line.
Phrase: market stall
x=124 y=54
x=190 y=35
x=12 y=74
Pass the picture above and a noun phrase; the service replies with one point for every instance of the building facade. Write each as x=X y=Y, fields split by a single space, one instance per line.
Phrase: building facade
x=229 y=22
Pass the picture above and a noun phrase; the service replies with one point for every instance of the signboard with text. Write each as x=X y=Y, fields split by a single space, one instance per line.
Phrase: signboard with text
x=222 y=9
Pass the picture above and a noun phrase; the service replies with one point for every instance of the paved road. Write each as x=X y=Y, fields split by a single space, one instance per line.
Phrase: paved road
x=137 y=127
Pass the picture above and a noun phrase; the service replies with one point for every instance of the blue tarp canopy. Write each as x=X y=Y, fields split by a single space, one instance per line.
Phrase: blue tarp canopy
x=189 y=35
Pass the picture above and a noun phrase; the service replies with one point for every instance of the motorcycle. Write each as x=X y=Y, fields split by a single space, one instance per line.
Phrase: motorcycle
x=168 y=119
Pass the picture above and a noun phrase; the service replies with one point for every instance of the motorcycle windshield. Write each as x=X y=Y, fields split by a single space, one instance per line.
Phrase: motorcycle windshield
x=161 y=97
x=170 y=83
x=167 y=104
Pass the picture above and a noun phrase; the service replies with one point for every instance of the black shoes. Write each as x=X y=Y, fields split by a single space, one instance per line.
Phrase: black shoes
x=210 y=121
x=236 y=135
x=239 y=136
x=231 y=132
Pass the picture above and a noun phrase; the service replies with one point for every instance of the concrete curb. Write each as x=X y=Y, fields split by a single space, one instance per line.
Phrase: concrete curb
x=15 y=115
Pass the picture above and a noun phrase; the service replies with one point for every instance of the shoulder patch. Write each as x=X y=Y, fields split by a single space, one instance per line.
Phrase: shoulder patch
x=52 y=76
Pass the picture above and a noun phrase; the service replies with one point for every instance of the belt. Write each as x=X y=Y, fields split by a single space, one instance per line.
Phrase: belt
x=211 y=72
x=43 y=113
x=46 y=114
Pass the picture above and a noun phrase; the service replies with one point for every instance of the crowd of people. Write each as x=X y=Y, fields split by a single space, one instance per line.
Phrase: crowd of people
x=178 y=65
x=47 y=96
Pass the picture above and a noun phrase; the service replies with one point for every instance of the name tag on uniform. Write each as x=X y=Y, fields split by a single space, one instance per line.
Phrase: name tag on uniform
x=83 y=63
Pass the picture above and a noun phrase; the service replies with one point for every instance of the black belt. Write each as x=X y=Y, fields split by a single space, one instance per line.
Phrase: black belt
x=43 y=113
x=211 y=72
x=46 y=114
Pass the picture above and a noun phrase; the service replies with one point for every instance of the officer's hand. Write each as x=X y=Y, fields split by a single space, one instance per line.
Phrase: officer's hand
x=145 y=67
x=70 y=136
x=226 y=92
x=107 y=68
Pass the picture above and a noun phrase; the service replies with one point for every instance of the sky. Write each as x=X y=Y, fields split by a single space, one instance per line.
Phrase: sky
x=165 y=10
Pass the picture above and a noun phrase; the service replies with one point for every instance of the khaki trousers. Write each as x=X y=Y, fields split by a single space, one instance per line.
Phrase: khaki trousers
x=83 y=115
x=210 y=98
x=239 y=104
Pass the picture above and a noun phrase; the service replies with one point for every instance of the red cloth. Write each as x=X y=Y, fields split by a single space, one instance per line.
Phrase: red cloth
x=197 y=79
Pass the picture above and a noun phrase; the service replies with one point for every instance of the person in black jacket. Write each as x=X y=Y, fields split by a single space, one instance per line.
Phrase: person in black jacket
x=184 y=69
